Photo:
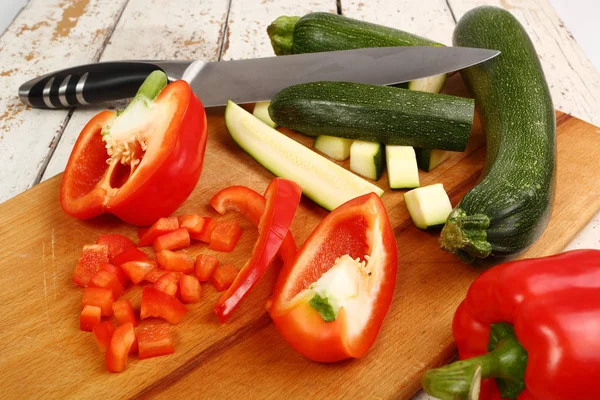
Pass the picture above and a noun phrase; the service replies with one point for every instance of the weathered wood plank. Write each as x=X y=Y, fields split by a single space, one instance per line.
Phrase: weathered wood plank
x=246 y=35
x=573 y=80
x=47 y=35
x=150 y=30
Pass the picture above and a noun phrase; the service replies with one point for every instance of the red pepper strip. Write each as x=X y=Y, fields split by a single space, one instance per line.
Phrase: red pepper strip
x=282 y=199
x=358 y=228
x=156 y=156
x=252 y=206
x=553 y=303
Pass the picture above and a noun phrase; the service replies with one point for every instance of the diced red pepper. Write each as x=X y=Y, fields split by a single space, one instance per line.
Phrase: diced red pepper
x=225 y=236
x=209 y=226
x=89 y=317
x=189 y=289
x=224 y=276
x=105 y=279
x=137 y=270
x=154 y=339
x=99 y=297
x=134 y=347
x=120 y=345
x=124 y=312
x=116 y=271
x=131 y=254
x=153 y=275
x=205 y=266
x=91 y=257
x=193 y=223
x=175 y=240
x=116 y=244
x=159 y=304
x=177 y=262
x=160 y=227
x=103 y=333
x=168 y=283
x=142 y=231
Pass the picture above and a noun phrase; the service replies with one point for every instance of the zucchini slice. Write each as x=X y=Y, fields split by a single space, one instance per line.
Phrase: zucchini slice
x=366 y=159
x=322 y=180
x=428 y=159
x=430 y=84
x=428 y=206
x=334 y=147
x=401 y=167
x=261 y=111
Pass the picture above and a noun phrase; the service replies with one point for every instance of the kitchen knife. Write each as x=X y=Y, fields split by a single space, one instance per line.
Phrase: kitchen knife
x=247 y=81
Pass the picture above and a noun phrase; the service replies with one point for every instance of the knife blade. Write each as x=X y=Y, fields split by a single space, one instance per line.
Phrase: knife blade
x=247 y=81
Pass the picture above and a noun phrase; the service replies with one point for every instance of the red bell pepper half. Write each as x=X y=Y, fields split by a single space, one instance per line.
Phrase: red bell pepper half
x=142 y=164
x=534 y=326
x=329 y=303
x=251 y=205
x=159 y=304
x=282 y=199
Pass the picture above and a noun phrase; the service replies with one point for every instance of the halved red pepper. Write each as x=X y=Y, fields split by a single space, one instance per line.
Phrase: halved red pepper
x=251 y=205
x=116 y=244
x=282 y=199
x=155 y=150
x=357 y=236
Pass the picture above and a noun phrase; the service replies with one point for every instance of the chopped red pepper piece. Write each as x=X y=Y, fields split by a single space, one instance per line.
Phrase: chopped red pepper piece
x=225 y=236
x=168 y=283
x=175 y=240
x=176 y=262
x=209 y=226
x=99 y=297
x=282 y=199
x=91 y=257
x=137 y=270
x=120 y=345
x=205 y=266
x=356 y=238
x=154 y=339
x=224 y=276
x=116 y=271
x=116 y=244
x=131 y=254
x=103 y=333
x=89 y=317
x=252 y=206
x=142 y=231
x=153 y=275
x=189 y=289
x=105 y=279
x=193 y=223
x=155 y=151
x=160 y=227
x=159 y=304
x=123 y=312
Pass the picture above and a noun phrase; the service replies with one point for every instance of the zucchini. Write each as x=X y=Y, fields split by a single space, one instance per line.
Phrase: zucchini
x=401 y=167
x=428 y=159
x=334 y=147
x=366 y=159
x=322 y=180
x=508 y=209
x=428 y=206
x=261 y=111
x=320 y=31
x=431 y=84
x=375 y=114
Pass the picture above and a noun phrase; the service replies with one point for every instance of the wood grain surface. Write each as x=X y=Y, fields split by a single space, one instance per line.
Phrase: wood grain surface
x=45 y=355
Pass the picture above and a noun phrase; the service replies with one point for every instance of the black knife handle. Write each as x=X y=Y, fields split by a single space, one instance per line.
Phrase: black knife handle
x=86 y=84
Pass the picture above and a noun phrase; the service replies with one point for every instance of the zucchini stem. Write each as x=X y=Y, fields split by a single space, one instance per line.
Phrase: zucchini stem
x=466 y=235
x=281 y=33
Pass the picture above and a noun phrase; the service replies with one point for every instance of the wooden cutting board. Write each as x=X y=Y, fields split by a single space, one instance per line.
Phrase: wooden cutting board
x=43 y=354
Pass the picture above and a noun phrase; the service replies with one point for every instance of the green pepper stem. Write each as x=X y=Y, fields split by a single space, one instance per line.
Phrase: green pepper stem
x=466 y=235
x=152 y=86
x=461 y=380
x=281 y=33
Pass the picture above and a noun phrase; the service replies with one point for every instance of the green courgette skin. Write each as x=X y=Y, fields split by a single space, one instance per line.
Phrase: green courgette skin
x=375 y=113
x=509 y=208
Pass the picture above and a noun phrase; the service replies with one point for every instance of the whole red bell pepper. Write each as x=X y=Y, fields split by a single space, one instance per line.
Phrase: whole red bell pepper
x=534 y=326
x=142 y=164
x=282 y=198
x=329 y=303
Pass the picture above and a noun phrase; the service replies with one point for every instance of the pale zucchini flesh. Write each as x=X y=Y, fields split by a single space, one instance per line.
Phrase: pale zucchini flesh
x=401 y=167
x=431 y=84
x=322 y=180
x=334 y=147
x=366 y=159
x=428 y=159
x=261 y=111
x=428 y=206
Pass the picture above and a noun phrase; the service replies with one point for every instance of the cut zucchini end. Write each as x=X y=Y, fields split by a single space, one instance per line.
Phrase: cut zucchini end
x=401 y=167
x=261 y=111
x=366 y=159
x=335 y=147
x=431 y=84
x=466 y=235
x=428 y=206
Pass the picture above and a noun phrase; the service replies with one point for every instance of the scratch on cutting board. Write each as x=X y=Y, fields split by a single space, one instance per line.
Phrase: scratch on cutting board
x=45 y=284
x=53 y=267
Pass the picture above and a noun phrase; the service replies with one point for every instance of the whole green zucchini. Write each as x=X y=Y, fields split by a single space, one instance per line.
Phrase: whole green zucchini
x=375 y=113
x=508 y=209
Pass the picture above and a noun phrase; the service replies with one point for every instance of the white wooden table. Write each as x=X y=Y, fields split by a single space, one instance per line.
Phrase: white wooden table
x=53 y=34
